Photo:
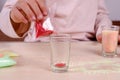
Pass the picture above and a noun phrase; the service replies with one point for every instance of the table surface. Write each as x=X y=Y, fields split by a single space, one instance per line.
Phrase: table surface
x=86 y=63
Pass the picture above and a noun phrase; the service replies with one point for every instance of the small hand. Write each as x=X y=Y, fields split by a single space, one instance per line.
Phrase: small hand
x=25 y=11
x=99 y=38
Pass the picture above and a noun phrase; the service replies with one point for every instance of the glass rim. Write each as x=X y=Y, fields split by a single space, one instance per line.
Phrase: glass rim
x=113 y=27
x=60 y=35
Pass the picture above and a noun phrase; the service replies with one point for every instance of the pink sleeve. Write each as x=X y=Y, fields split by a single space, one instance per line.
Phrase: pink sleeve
x=5 y=24
x=102 y=18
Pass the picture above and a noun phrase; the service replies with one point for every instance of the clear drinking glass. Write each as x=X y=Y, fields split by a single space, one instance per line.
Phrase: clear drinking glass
x=110 y=40
x=60 y=52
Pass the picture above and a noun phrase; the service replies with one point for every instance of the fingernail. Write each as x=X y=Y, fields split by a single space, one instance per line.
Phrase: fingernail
x=40 y=17
x=45 y=13
x=33 y=18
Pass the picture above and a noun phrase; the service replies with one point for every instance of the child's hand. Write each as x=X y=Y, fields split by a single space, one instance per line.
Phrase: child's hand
x=25 y=11
x=99 y=38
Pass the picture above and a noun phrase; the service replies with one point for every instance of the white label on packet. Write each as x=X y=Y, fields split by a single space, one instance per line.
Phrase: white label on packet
x=47 y=24
x=31 y=35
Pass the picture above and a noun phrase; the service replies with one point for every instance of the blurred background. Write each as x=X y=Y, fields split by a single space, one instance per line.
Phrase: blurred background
x=112 y=5
x=2 y=3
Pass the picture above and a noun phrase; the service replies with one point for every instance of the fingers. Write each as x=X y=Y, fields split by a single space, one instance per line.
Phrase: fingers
x=99 y=38
x=28 y=10
x=17 y=17
x=35 y=8
x=42 y=6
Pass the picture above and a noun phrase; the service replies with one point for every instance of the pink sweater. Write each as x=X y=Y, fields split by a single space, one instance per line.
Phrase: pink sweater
x=80 y=18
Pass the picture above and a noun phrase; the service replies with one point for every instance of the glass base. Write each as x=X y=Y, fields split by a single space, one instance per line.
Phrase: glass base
x=59 y=69
x=109 y=54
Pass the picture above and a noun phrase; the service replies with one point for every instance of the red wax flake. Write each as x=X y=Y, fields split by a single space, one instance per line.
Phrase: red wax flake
x=60 y=65
x=1 y=55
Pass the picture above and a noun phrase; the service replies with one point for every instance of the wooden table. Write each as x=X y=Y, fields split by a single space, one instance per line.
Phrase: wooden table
x=86 y=63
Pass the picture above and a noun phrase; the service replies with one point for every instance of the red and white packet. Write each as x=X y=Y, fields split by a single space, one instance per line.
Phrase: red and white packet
x=38 y=30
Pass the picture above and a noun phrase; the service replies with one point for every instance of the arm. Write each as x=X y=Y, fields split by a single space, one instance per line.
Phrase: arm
x=5 y=23
x=102 y=19
x=19 y=15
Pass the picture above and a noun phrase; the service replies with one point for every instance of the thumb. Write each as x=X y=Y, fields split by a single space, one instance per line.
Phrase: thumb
x=99 y=38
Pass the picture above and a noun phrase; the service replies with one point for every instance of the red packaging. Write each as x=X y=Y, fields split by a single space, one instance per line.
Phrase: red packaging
x=39 y=29
x=42 y=29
